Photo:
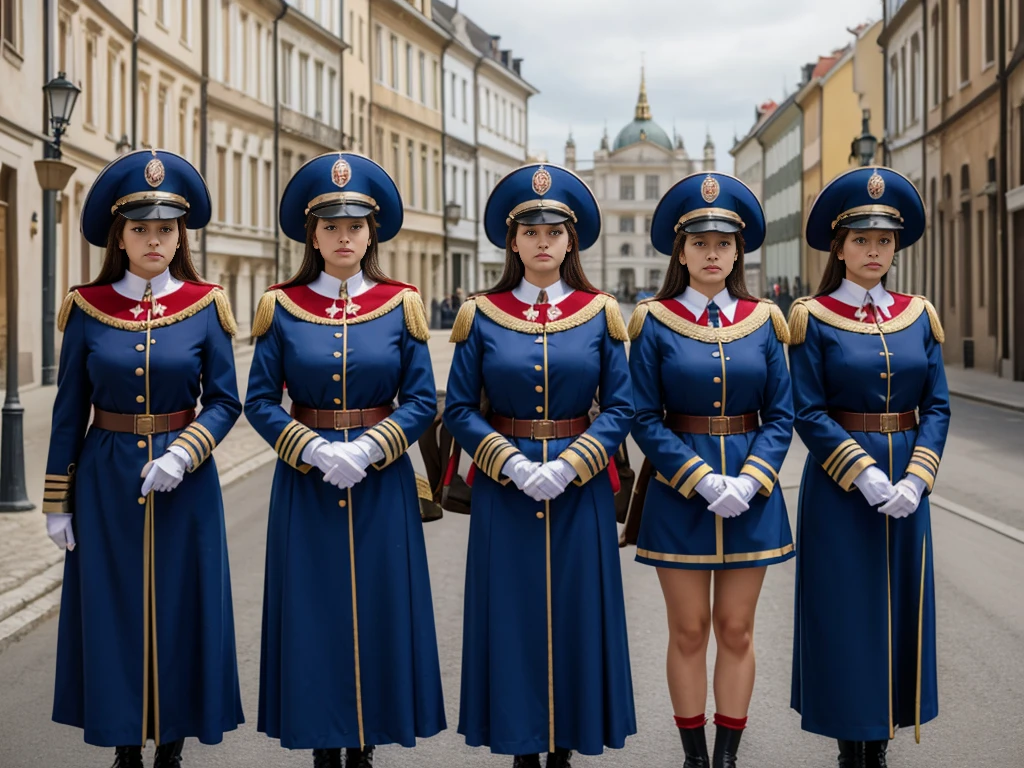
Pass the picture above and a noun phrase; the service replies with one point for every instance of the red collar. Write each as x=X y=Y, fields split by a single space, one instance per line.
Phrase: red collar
x=567 y=307
x=841 y=308
x=105 y=300
x=311 y=302
x=744 y=308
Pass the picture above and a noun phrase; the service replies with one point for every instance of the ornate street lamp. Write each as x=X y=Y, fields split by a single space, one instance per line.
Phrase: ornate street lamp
x=864 y=146
x=61 y=95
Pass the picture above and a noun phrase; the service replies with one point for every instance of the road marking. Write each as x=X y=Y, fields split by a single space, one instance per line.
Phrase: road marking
x=976 y=517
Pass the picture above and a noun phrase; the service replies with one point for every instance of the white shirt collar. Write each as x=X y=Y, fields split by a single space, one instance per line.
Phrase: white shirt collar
x=696 y=302
x=328 y=286
x=527 y=292
x=854 y=295
x=134 y=287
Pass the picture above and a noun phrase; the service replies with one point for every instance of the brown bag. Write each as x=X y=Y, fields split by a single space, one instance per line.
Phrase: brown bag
x=631 y=532
x=440 y=451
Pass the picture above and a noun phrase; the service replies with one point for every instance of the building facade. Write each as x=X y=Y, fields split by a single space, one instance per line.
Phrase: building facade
x=748 y=167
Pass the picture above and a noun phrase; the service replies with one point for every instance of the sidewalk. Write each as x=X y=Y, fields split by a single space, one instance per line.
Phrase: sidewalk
x=984 y=387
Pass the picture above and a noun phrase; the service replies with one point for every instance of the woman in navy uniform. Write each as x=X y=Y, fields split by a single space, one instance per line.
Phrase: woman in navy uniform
x=146 y=642
x=873 y=409
x=714 y=417
x=545 y=662
x=349 y=649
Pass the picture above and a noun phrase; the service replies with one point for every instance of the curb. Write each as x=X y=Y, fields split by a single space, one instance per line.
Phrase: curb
x=26 y=606
x=988 y=400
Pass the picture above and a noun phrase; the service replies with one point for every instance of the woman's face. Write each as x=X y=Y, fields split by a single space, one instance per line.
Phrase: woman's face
x=542 y=247
x=150 y=246
x=342 y=243
x=709 y=257
x=868 y=254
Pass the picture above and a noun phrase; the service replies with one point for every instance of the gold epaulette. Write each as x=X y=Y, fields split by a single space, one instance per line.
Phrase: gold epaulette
x=224 y=313
x=798 y=314
x=264 y=313
x=415 y=315
x=65 y=311
x=636 y=321
x=778 y=322
x=463 y=321
x=613 y=317
x=933 y=318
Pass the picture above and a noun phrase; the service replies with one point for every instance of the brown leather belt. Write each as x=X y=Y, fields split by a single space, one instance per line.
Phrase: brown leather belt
x=885 y=423
x=712 y=425
x=540 y=429
x=142 y=423
x=354 y=419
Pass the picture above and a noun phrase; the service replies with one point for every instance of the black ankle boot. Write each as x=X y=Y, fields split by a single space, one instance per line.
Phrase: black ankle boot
x=559 y=758
x=727 y=744
x=874 y=754
x=526 y=761
x=327 y=758
x=169 y=755
x=695 y=747
x=850 y=753
x=127 y=757
x=359 y=758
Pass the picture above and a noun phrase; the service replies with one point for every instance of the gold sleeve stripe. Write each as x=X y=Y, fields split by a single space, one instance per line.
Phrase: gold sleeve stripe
x=305 y=439
x=846 y=482
x=587 y=454
x=767 y=483
x=190 y=449
x=927 y=477
x=758 y=460
x=498 y=463
x=385 y=442
x=681 y=472
x=289 y=428
x=195 y=426
x=486 y=452
x=850 y=458
x=924 y=459
x=591 y=440
x=56 y=507
x=925 y=467
x=490 y=457
x=689 y=488
x=928 y=452
x=488 y=442
x=576 y=461
x=842 y=458
x=838 y=450
x=195 y=441
x=65 y=479
x=393 y=427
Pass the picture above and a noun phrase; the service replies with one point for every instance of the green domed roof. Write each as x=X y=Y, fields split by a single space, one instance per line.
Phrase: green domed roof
x=643 y=130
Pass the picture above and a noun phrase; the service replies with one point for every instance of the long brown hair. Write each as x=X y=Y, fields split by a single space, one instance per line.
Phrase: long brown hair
x=835 y=269
x=115 y=261
x=571 y=269
x=313 y=261
x=677 y=276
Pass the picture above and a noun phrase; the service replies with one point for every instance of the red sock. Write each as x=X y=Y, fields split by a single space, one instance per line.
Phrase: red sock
x=689 y=723
x=732 y=723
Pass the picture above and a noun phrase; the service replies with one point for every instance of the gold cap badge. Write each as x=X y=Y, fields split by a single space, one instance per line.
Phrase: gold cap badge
x=155 y=172
x=541 y=181
x=876 y=186
x=341 y=172
x=710 y=189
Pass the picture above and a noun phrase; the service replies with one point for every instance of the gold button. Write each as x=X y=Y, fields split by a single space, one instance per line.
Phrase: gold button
x=718 y=379
x=337 y=354
x=540 y=515
x=141 y=443
x=540 y=409
x=336 y=377
x=142 y=499
x=342 y=503
x=881 y=354
x=337 y=401
x=539 y=388
x=728 y=358
x=884 y=375
x=717 y=404
x=337 y=335
x=139 y=371
x=715 y=354
x=538 y=368
x=152 y=341
x=139 y=347
x=140 y=399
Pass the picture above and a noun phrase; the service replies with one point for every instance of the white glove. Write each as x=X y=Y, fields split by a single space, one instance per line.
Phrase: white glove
x=748 y=485
x=875 y=486
x=711 y=487
x=732 y=502
x=906 y=499
x=58 y=528
x=550 y=480
x=163 y=474
x=350 y=463
x=519 y=469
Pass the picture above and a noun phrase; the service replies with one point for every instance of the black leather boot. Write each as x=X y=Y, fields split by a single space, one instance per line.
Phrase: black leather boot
x=695 y=747
x=850 y=753
x=169 y=755
x=127 y=757
x=359 y=758
x=727 y=744
x=327 y=758
x=559 y=758
x=526 y=761
x=874 y=754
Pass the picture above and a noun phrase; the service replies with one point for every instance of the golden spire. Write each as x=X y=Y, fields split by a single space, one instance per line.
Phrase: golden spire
x=643 y=109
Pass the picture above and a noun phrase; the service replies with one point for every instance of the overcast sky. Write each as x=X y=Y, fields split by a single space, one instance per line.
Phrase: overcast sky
x=708 y=62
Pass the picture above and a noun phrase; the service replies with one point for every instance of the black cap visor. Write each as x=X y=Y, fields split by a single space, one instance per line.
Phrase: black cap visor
x=342 y=211
x=872 y=221
x=153 y=212
x=543 y=216
x=725 y=226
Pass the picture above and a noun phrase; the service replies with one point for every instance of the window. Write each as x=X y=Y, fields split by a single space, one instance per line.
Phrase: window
x=435 y=83
x=222 y=183
x=111 y=90
x=990 y=32
x=62 y=42
x=652 y=187
x=936 y=80
x=10 y=21
x=626 y=188
x=362 y=121
x=258 y=71
x=287 y=90
x=379 y=63
x=465 y=110
x=451 y=94
x=423 y=78
x=332 y=87
x=627 y=224
x=186 y=22
x=410 y=154
x=408 y=70
x=424 y=179
x=438 y=194
x=647 y=225
x=122 y=86
x=304 y=83
x=161 y=117
x=915 y=73
x=904 y=113
x=225 y=25
x=245 y=68
x=894 y=93
x=394 y=62
x=487 y=101
x=90 y=81
x=965 y=42
x=254 y=192
x=161 y=11
x=318 y=92
x=359 y=41
x=626 y=250
x=236 y=175
x=183 y=131
x=465 y=194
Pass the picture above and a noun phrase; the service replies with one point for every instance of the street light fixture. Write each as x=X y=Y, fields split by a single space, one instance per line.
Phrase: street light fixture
x=863 y=147
x=61 y=95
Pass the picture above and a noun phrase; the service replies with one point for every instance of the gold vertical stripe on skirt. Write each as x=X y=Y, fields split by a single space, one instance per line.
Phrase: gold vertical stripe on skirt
x=547 y=557
x=920 y=637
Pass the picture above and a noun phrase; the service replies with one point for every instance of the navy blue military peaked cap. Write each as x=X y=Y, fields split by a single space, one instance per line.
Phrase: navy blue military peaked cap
x=708 y=202
x=341 y=185
x=145 y=185
x=542 y=194
x=866 y=198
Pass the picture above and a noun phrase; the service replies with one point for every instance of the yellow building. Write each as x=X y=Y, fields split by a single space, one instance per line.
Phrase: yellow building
x=406 y=48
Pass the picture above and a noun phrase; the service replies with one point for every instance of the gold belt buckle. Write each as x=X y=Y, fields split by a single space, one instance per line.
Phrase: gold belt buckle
x=145 y=424
x=888 y=423
x=719 y=426
x=542 y=429
x=342 y=420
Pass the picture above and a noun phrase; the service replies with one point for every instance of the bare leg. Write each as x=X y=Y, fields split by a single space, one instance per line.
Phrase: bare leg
x=736 y=594
x=688 y=604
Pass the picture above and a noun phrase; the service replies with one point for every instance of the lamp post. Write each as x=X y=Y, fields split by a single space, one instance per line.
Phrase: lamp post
x=61 y=95
x=864 y=146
